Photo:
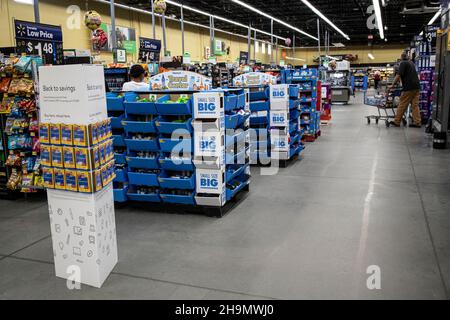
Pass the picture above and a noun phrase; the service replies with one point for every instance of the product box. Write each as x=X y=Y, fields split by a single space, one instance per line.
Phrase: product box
x=46 y=155
x=44 y=133
x=279 y=118
x=84 y=159
x=102 y=153
x=108 y=128
x=96 y=156
x=69 y=157
x=94 y=133
x=208 y=105
x=279 y=140
x=98 y=183
x=84 y=179
x=57 y=157
x=279 y=95
x=101 y=131
x=55 y=134
x=60 y=179
x=67 y=134
x=49 y=177
x=80 y=136
x=71 y=180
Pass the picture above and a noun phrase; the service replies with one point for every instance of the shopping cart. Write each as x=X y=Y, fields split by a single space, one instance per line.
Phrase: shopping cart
x=386 y=105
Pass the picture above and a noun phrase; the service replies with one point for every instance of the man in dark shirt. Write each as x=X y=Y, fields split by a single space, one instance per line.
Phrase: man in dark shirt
x=411 y=92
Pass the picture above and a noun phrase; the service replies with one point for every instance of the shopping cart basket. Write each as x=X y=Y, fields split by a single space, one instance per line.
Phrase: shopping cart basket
x=386 y=105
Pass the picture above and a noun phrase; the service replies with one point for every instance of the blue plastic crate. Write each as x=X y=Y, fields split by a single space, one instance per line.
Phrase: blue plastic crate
x=174 y=164
x=295 y=139
x=113 y=102
x=142 y=163
x=235 y=170
x=142 y=145
x=166 y=127
x=121 y=175
x=294 y=91
x=139 y=126
x=263 y=120
x=231 y=121
x=235 y=158
x=120 y=158
x=295 y=150
x=293 y=104
x=293 y=127
x=230 y=102
x=243 y=118
x=260 y=95
x=166 y=182
x=173 y=108
x=118 y=141
x=143 y=179
x=140 y=108
x=294 y=114
x=120 y=195
x=170 y=198
x=240 y=104
x=168 y=145
x=259 y=106
x=244 y=182
x=153 y=197
x=116 y=122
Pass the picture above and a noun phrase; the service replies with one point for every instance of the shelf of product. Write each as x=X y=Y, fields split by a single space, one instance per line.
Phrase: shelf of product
x=115 y=78
x=325 y=110
x=155 y=154
x=20 y=166
x=359 y=80
x=310 y=89
x=387 y=75
x=341 y=86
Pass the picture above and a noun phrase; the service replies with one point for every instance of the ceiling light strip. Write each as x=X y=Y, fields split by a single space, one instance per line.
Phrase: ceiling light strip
x=376 y=5
x=249 y=7
x=320 y=14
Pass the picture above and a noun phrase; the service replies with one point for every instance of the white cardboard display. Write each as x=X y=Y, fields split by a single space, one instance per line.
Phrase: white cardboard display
x=279 y=118
x=83 y=234
x=208 y=105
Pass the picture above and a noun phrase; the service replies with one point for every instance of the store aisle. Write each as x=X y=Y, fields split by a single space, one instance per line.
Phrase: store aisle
x=361 y=196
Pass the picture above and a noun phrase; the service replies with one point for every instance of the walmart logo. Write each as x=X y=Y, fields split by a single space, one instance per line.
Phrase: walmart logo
x=21 y=30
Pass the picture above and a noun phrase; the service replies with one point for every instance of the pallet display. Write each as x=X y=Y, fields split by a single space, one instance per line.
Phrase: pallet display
x=20 y=165
x=258 y=85
x=310 y=100
x=325 y=110
x=285 y=132
x=360 y=80
x=163 y=132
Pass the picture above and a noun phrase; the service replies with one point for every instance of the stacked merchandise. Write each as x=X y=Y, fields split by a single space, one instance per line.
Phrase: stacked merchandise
x=20 y=146
x=258 y=85
x=221 y=152
x=387 y=75
x=77 y=158
x=115 y=78
x=360 y=80
x=310 y=100
x=222 y=75
x=325 y=109
x=425 y=62
x=285 y=131
x=116 y=112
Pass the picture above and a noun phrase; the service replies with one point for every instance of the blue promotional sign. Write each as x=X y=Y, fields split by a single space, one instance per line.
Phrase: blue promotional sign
x=149 y=49
x=39 y=39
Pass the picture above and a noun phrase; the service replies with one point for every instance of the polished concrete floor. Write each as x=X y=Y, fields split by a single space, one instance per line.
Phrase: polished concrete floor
x=362 y=195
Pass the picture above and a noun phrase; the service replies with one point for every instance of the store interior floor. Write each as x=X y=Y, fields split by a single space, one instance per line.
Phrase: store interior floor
x=362 y=195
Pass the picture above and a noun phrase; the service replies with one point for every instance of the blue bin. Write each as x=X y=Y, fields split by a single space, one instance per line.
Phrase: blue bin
x=295 y=139
x=116 y=122
x=294 y=114
x=121 y=175
x=235 y=170
x=166 y=182
x=178 y=146
x=230 y=102
x=243 y=118
x=231 y=193
x=294 y=150
x=260 y=95
x=173 y=109
x=114 y=103
x=140 y=108
x=294 y=92
x=142 y=163
x=120 y=195
x=139 y=126
x=293 y=127
x=166 y=127
x=235 y=158
x=153 y=197
x=259 y=120
x=142 y=145
x=120 y=158
x=259 y=106
x=240 y=104
x=232 y=121
x=118 y=141
x=170 y=198
x=174 y=164
x=293 y=104
x=143 y=179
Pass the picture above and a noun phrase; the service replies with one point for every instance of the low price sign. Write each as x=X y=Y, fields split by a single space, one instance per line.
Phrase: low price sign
x=149 y=49
x=39 y=39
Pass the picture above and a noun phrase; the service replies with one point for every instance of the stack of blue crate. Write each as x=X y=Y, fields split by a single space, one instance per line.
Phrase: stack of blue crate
x=259 y=124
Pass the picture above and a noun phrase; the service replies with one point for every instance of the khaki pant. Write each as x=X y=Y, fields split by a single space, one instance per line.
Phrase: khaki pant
x=406 y=98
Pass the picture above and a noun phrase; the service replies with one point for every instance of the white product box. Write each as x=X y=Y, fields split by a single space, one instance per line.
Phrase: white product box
x=279 y=118
x=209 y=143
x=210 y=181
x=279 y=140
x=83 y=234
x=215 y=125
x=72 y=94
x=208 y=105
x=279 y=93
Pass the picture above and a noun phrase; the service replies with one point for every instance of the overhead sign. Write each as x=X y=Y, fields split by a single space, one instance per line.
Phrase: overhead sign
x=243 y=57
x=180 y=80
x=39 y=39
x=149 y=50
x=254 y=79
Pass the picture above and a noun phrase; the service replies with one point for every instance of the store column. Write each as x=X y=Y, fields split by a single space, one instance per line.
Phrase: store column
x=78 y=171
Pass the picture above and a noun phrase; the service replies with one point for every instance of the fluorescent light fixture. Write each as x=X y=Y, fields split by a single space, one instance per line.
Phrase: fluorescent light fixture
x=296 y=59
x=383 y=3
x=371 y=56
x=249 y=7
x=338 y=45
x=376 y=5
x=269 y=49
x=256 y=46
x=220 y=18
x=437 y=15
x=263 y=48
x=316 y=11
x=24 y=1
